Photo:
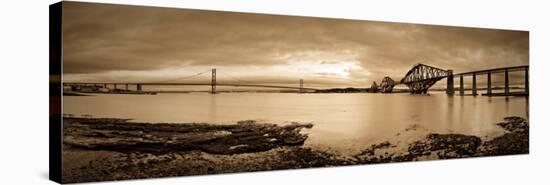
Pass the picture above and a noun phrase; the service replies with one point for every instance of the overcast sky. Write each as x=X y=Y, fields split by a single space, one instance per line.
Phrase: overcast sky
x=132 y=43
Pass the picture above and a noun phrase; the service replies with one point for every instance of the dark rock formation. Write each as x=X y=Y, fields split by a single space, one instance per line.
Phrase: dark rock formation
x=514 y=141
x=113 y=149
x=119 y=135
x=448 y=146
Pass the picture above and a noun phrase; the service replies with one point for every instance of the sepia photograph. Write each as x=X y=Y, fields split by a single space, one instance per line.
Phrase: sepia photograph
x=150 y=92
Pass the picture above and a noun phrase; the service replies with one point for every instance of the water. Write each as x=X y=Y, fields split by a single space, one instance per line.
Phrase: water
x=342 y=122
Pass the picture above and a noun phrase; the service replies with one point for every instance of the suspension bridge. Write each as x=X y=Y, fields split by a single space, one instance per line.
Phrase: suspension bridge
x=213 y=83
x=419 y=79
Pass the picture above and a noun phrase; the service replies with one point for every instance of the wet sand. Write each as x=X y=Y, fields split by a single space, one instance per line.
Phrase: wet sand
x=114 y=149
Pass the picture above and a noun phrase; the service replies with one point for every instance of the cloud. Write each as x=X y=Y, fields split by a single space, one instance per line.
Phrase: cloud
x=101 y=39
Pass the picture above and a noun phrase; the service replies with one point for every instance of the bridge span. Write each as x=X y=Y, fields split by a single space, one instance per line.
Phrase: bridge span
x=213 y=84
x=139 y=85
x=419 y=79
x=422 y=77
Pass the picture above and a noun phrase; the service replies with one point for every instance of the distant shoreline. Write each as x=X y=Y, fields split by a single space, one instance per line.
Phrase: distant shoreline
x=74 y=94
x=321 y=91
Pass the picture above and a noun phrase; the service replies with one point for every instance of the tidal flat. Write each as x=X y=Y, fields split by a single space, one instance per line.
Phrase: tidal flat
x=98 y=149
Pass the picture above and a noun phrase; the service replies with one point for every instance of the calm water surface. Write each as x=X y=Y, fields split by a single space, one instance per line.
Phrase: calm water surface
x=343 y=122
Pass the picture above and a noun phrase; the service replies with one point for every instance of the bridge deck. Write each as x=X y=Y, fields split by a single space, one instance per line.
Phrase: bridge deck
x=510 y=69
x=191 y=84
x=420 y=77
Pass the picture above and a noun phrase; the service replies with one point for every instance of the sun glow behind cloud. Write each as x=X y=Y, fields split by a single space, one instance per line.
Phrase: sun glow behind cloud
x=316 y=67
x=284 y=73
x=110 y=43
x=339 y=69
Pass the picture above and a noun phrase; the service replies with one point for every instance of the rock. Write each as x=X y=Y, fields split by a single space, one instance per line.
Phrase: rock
x=515 y=141
x=122 y=136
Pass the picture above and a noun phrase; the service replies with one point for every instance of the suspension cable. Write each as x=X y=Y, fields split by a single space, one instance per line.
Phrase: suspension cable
x=182 y=78
x=236 y=79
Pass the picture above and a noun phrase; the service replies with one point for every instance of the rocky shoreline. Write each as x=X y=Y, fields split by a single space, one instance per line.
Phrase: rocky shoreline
x=120 y=136
x=114 y=149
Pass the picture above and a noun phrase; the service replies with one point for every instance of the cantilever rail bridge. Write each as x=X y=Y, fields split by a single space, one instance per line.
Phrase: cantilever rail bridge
x=421 y=77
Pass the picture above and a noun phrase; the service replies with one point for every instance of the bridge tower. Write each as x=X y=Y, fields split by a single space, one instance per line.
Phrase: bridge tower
x=474 y=85
x=506 y=83
x=213 y=89
x=301 y=85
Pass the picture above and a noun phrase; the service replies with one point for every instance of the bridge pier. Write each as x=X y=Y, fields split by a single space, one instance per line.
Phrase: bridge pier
x=126 y=86
x=138 y=87
x=489 y=86
x=506 y=83
x=474 y=85
x=461 y=85
x=450 y=83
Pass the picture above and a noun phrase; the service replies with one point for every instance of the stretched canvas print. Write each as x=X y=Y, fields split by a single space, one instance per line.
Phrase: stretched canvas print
x=144 y=92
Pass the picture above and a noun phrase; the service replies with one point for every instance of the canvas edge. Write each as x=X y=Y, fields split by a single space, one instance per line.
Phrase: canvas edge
x=56 y=87
x=55 y=91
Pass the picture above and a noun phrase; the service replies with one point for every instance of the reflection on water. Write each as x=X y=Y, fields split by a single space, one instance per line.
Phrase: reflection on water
x=342 y=121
